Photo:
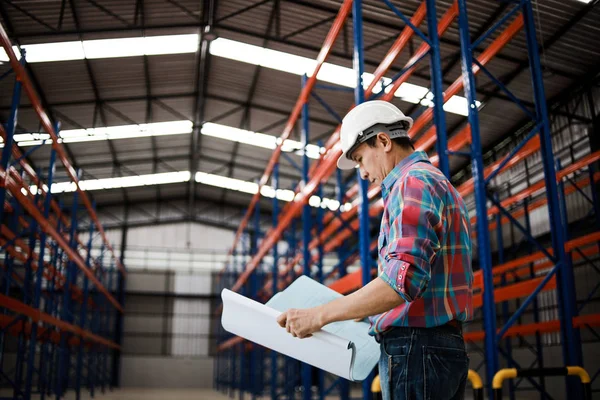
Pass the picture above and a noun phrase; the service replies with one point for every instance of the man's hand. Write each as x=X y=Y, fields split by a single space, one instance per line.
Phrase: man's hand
x=301 y=323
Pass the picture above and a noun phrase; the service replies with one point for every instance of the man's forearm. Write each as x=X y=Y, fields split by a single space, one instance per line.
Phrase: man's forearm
x=374 y=298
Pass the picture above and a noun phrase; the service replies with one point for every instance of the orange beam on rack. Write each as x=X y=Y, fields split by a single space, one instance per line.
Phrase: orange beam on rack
x=537 y=256
x=490 y=52
x=39 y=316
x=443 y=25
x=581 y=183
x=541 y=184
x=47 y=124
x=50 y=271
x=515 y=291
x=532 y=146
x=524 y=273
x=427 y=140
x=332 y=146
x=25 y=328
x=230 y=343
x=15 y=184
x=336 y=27
x=541 y=327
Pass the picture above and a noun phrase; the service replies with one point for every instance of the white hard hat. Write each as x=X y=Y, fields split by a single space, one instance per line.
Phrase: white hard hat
x=380 y=115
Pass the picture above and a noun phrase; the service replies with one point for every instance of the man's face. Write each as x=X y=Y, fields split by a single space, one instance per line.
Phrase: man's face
x=370 y=162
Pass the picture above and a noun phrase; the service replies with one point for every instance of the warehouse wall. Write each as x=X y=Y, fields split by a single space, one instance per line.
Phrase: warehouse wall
x=167 y=321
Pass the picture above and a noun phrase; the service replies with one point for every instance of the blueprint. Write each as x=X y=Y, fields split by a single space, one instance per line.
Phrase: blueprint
x=342 y=348
x=305 y=292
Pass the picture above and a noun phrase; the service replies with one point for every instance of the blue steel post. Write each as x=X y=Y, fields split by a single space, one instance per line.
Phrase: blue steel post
x=505 y=309
x=83 y=312
x=52 y=309
x=275 y=274
x=11 y=125
x=571 y=340
x=255 y=368
x=243 y=363
x=233 y=384
x=319 y=223
x=8 y=265
x=536 y=315
x=64 y=355
x=483 y=236
x=109 y=311
x=38 y=284
x=439 y=116
x=94 y=368
x=363 y=214
x=344 y=384
x=28 y=298
x=306 y=226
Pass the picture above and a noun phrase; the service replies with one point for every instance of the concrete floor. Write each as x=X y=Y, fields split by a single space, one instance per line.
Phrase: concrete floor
x=144 y=394
x=156 y=394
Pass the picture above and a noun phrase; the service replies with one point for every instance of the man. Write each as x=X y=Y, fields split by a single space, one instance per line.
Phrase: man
x=423 y=292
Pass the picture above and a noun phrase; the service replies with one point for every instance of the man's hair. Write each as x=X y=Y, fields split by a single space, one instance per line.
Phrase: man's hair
x=404 y=142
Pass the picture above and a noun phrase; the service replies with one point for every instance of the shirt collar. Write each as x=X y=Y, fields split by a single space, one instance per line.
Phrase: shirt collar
x=400 y=168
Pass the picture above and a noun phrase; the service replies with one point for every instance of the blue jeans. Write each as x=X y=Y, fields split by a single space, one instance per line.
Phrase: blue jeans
x=423 y=364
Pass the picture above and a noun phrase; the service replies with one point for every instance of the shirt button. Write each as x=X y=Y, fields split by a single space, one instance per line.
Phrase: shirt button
x=404 y=267
x=400 y=277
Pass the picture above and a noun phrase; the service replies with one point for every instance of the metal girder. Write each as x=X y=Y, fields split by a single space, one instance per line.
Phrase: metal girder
x=177 y=157
x=245 y=121
x=185 y=10
x=218 y=97
x=554 y=103
x=149 y=116
x=109 y=12
x=96 y=92
x=368 y=62
x=242 y=10
x=455 y=58
x=27 y=13
x=378 y=22
x=523 y=65
x=34 y=80
x=201 y=76
x=166 y=201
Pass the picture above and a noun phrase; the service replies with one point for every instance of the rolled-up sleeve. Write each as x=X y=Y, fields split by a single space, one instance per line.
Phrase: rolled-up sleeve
x=413 y=242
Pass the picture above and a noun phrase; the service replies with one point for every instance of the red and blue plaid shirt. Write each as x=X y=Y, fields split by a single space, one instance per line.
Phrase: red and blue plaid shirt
x=424 y=247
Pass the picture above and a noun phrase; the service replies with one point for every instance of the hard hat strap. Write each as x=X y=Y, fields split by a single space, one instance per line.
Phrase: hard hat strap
x=395 y=130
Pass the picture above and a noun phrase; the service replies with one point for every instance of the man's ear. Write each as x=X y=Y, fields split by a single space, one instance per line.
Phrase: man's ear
x=385 y=141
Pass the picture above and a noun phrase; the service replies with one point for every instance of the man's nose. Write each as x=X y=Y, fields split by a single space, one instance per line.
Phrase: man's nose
x=364 y=174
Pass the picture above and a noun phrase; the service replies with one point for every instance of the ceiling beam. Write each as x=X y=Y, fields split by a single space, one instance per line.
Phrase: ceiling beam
x=511 y=76
x=220 y=97
x=245 y=120
x=201 y=84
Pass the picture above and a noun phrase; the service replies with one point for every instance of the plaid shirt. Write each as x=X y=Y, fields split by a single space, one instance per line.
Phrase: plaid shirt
x=424 y=247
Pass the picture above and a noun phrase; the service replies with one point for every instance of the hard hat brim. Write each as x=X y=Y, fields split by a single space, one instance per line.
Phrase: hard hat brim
x=345 y=164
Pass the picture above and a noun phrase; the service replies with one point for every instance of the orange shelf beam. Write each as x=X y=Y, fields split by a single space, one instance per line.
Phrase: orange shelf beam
x=38 y=316
x=541 y=327
x=14 y=183
x=21 y=75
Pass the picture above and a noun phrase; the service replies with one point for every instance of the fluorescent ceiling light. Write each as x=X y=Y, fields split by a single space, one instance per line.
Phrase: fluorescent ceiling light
x=258 y=139
x=107 y=133
x=167 y=128
x=266 y=191
x=119 y=182
x=331 y=73
x=107 y=48
x=184 y=176
x=220 y=47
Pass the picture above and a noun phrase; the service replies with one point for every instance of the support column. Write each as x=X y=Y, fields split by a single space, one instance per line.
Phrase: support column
x=483 y=236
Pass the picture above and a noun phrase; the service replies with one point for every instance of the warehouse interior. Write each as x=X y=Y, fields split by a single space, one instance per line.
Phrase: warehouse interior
x=157 y=152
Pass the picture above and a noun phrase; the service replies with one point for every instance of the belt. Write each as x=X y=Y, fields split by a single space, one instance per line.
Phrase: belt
x=452 y=325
